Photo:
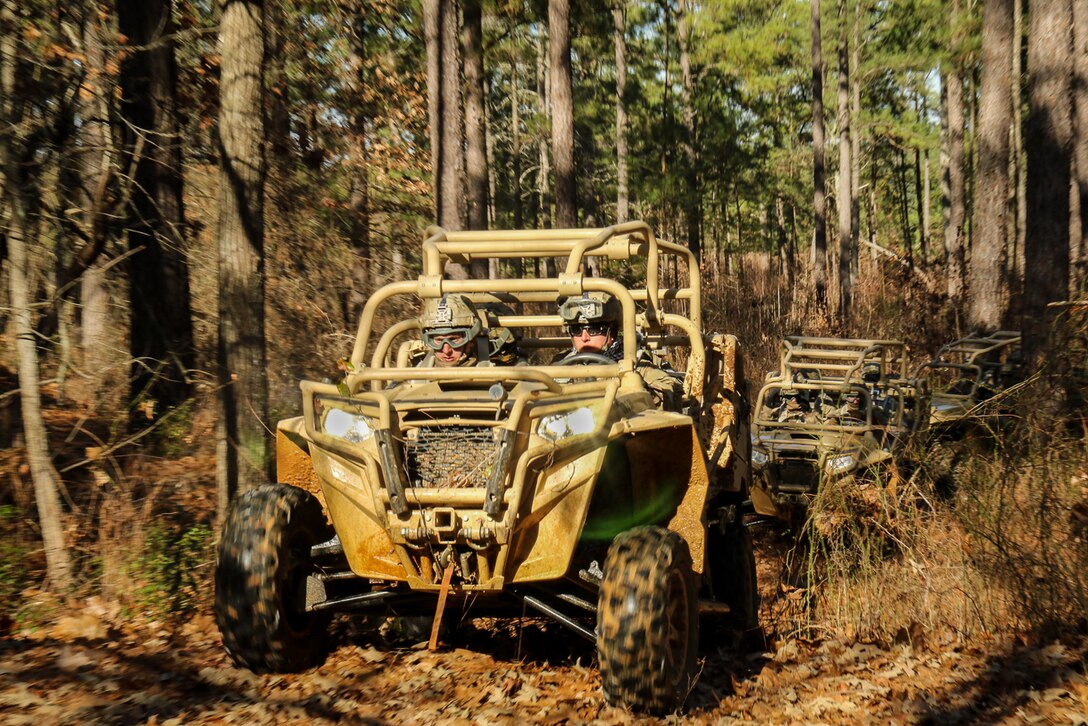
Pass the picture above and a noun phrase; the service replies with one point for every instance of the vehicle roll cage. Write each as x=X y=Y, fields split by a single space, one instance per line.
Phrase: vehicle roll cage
x=643 y=321
x=842 y=359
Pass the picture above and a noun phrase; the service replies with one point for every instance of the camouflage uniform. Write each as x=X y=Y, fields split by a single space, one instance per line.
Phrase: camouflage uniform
x=665 y=388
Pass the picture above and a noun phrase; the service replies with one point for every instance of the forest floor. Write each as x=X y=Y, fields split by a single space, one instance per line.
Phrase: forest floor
x=92 y=665
x=91 y=661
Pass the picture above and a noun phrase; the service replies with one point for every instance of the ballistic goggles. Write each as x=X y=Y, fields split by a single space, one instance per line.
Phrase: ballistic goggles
x=581 y=308
x=436 y=338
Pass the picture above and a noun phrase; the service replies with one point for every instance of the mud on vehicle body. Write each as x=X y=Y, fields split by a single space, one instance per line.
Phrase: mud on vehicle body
x=501 y=489
x=835 y=410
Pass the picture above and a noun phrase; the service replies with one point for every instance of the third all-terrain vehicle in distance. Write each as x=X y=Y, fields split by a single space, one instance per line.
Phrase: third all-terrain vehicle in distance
x=835 y=410
x=967 y=372
x=520 y=482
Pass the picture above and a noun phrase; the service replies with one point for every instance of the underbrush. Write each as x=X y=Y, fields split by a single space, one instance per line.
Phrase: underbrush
x=1004 y=552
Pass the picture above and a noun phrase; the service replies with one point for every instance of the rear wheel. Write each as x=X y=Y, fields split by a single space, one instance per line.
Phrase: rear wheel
x=648 y=621
x=260 y=580
x=732 y=563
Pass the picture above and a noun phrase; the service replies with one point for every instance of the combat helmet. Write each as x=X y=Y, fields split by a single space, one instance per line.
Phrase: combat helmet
x=593 y=307
x=449 y=319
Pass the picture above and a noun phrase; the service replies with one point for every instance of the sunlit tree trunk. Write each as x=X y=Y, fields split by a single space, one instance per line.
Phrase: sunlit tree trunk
x=14 y=219
x=243 y=458
x=1080 y=138
x=693 y=202
x=562 y=105
x=1049 y=151
x=845 y=165
x=819 y=198
x=359 y=201
x=515 y=143
x=957 y=199
x=475 y=135
x=619 y=25
x=985 y=276
x=447 y=120
x=855 y=138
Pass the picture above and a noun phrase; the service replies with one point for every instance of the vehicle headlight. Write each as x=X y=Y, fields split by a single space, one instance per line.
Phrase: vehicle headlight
x=759 y=457
x=569 y=423
x=840 y=464
x=350 y=426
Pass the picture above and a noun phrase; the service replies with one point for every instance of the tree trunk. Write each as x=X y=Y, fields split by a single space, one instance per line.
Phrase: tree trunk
x=359 y=202
x=475 y=135
x=243 y=441
x=446 y=118
x=693 y=199
x=619 y=24
x=96 y=172
x=1017 y=166
x=920 y=202
x=562 y=105
x=161 y=341
x=1080 y=136
x=845 y=166
x=515 y=143
x=1049 y=152
x=855 y=139
x=819 y=199
x=46 y=496
x=985 y=276
x=954 y=244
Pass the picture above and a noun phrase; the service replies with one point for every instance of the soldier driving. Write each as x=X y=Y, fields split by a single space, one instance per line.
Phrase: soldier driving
x=592 y=321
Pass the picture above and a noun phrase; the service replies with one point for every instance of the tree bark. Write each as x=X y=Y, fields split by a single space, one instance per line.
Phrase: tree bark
x=957 y=199
x=819 y=198
x=845 y=166
x=855 y=138
x=95 y=159
x=14 y=188
x=1049 y=151
x=446 y=118
x=985 y=276
x=515 y=143
x=1017 y=166
x=359 y=202
x=161 y=339
x=475 y=133
x=693 y=203
x=1080 y=136
x=562 y=105
x=243 y=443
x=619 y=25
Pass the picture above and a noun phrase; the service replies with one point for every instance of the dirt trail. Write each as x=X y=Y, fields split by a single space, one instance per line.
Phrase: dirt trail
x=92 y=666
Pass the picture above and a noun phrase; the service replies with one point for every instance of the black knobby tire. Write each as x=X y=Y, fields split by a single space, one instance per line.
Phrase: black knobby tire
x=648 y=621
x=260 y=580
x=732 y=564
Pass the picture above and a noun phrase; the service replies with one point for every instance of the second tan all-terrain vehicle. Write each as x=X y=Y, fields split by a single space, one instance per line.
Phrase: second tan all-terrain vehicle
x=491 y=490
x=836 y=410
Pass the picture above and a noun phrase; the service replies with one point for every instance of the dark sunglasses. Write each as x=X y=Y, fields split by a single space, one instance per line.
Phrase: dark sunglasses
x=592 y=328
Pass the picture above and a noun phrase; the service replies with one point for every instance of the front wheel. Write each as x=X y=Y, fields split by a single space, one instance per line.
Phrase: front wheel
x=260 y=580
x=648 y=621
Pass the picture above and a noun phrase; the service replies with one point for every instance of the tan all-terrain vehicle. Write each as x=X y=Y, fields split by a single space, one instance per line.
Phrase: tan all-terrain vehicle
x=968 y=372
x=835 y=410
x=496 y=490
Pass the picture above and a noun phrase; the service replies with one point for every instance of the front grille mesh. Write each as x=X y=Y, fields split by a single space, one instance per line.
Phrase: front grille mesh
x=792 y=474
x=460 y=456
